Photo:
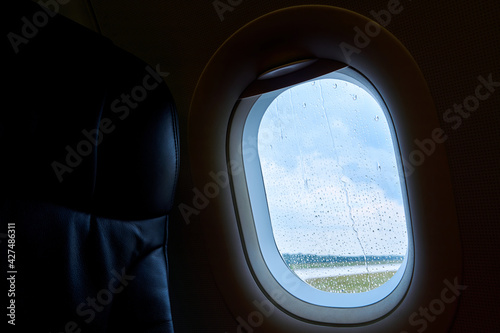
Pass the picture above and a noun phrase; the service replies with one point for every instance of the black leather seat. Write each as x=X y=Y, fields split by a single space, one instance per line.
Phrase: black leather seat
x=89 y=161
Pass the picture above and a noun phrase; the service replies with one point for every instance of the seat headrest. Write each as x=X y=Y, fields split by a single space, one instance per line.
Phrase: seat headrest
x=85 y=124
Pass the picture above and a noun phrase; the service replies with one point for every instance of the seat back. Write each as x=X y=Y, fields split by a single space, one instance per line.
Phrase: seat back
x=89 y=145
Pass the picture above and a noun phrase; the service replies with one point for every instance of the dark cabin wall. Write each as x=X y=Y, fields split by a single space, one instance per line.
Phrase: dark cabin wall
x=453 y=42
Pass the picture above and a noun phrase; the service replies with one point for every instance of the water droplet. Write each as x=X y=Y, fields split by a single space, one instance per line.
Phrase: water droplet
x=334 y=86
x=354 y=97
x=304 y=105
x=377 y=118
x=313 y=83
x=379 y=167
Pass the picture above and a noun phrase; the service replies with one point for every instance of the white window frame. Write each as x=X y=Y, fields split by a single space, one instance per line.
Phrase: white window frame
x=261 y=216
x=270 y=271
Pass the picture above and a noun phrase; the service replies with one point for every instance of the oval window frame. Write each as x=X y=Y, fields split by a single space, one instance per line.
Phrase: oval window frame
x=258 y=227
x=271 y=273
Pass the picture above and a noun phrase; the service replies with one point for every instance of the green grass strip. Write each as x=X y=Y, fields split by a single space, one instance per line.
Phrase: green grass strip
x=354 y=283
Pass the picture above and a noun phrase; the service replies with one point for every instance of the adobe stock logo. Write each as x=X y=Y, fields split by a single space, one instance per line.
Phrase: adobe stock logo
x=201 y=198
x=454 y=116
x=221 y=179
x=363 y=37
x=104 y=297
x=122 y=108
x=255 y=318
x=222 y=6
x=30 y=27
x=264 y=308
x=420 y=319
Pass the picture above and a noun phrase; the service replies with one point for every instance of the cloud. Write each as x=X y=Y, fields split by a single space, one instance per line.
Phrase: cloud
x=331 y=179
x=332 y=216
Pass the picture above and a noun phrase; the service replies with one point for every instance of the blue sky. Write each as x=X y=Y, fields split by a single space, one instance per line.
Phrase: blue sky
x=330 y=172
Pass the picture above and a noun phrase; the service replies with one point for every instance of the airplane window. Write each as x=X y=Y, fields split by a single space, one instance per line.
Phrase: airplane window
x=326 y=185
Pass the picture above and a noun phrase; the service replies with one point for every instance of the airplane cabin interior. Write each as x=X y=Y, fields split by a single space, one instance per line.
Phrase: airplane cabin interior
x=322 y=166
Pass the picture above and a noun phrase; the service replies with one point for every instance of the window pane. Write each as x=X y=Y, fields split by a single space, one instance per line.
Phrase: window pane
x=333 y=188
